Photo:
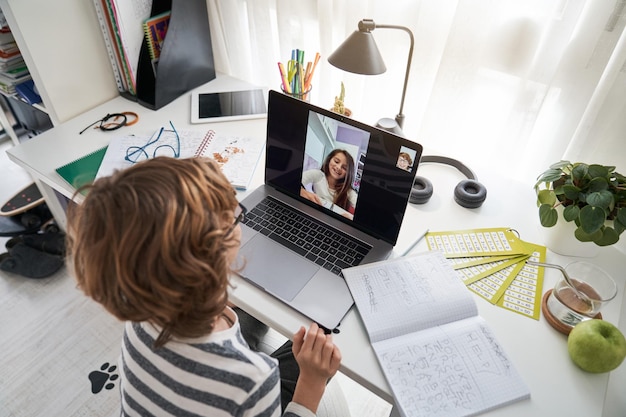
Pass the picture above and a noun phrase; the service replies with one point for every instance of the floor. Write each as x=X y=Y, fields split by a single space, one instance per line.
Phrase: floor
x=60 y=348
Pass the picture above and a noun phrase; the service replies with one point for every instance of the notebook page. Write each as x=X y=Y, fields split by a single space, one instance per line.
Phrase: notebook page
x=408 y=294
x=114 y=158
x=237 y=156
x=458 y=369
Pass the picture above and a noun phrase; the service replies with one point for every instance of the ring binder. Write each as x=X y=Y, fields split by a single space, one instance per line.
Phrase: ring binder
x=206 y=141
x=107 y=42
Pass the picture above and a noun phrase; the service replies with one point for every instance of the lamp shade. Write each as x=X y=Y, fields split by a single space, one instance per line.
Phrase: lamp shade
x=359 y=54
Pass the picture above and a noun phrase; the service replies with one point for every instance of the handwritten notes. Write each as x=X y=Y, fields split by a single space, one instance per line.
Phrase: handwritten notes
x=402 y=296
x=456 y=371
x=439 y=356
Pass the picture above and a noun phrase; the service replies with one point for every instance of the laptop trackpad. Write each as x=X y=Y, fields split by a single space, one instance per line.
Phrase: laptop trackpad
x=277 y=269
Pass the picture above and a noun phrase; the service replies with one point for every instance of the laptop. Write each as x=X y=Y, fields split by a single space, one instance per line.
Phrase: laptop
x=299 y=232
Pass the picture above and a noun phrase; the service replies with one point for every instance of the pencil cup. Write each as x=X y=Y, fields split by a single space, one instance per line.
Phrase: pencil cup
x=306 y=96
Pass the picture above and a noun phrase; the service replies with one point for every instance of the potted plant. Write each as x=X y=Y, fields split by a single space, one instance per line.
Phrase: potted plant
x=592 y=196
x=339 y=106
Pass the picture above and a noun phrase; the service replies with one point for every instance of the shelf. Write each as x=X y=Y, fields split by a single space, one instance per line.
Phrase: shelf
x=38 y=106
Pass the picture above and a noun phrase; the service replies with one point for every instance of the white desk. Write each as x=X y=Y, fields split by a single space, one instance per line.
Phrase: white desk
x=42 y=155
x=557 y=386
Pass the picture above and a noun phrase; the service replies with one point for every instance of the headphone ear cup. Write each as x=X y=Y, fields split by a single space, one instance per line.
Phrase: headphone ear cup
x=470 y=194
x=421 y=191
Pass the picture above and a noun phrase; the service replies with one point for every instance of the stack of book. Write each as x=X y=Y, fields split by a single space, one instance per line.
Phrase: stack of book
x=13 y=70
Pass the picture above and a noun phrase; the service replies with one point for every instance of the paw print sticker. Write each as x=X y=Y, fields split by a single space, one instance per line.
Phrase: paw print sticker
x=100 y=378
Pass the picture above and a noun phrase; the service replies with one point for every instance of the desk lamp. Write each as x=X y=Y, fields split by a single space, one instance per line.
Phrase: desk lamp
x=359 y=54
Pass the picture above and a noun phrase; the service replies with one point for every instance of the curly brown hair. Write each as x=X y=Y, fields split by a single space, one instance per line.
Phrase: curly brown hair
x=149 y=243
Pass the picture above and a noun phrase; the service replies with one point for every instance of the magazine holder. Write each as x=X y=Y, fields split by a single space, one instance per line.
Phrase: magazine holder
x=186 y=59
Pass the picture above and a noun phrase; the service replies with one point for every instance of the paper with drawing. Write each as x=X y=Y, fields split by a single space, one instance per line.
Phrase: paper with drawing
x=237 y=156
x=125 y=151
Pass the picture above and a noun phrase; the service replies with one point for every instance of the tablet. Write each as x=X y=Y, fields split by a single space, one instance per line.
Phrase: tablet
x=228 y=105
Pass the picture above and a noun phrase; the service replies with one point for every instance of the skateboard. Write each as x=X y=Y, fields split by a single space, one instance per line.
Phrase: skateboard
x=23 y=201
x=24 y=213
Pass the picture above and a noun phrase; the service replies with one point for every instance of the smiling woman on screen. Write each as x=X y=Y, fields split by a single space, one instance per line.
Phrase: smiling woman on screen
x=332 y=184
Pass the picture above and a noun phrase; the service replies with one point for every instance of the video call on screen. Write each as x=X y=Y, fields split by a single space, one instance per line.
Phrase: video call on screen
x=381 y=165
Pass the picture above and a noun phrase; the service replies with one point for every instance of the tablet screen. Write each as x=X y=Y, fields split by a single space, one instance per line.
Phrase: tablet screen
x=229 y=104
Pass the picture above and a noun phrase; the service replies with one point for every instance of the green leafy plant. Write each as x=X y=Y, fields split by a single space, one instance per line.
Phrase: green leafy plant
x=592 y=196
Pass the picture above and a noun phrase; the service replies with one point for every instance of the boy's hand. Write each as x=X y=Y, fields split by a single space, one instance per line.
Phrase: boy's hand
x=318 y=359
x=316 y=353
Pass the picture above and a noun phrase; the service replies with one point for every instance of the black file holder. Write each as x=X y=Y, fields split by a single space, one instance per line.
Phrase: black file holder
x=186 y=59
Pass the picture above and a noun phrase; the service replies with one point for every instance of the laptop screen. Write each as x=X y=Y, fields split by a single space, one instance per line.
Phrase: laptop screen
x=350 y=170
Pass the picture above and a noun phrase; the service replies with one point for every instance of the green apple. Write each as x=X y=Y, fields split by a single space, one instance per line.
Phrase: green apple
x=596 y=346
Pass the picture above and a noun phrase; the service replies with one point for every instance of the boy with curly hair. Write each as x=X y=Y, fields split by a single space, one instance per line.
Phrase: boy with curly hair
x=154 y=244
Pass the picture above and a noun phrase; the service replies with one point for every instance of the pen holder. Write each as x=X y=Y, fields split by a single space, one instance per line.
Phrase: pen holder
x=306 y=96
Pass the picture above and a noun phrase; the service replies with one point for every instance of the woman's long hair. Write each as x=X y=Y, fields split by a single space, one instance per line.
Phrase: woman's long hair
x=344 y=186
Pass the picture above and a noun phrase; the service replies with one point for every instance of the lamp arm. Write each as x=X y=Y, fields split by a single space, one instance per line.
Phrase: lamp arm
x=400 y=116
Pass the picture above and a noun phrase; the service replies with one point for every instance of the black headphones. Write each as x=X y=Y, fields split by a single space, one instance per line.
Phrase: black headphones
x=468 y=193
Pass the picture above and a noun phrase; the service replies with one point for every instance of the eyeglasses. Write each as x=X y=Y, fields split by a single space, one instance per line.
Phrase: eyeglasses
x=135 y=154
x=240 y=216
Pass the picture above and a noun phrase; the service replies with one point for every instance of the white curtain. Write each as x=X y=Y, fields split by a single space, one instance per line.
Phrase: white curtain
x=513 y=85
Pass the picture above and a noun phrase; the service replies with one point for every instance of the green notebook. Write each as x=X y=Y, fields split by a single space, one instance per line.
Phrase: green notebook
x=82 y=170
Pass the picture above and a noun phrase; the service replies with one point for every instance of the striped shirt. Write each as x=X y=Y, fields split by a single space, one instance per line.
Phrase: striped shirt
x=217 y=375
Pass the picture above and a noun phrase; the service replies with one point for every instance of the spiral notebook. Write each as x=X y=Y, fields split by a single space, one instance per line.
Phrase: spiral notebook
x=155 y=29
x=237 y=156
x=438 y=355
x=82 y=170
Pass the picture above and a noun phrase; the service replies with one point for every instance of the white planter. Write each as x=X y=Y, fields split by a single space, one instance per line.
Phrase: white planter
x=560 y=239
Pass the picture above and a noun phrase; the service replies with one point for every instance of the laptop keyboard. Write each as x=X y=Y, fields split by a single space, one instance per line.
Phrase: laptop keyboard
x=306 y=236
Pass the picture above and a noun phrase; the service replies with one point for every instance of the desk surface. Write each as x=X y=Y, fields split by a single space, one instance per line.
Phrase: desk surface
x=557 y=386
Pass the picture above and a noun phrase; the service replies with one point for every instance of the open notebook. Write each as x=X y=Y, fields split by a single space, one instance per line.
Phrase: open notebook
x=438 y=355
x=237 y=156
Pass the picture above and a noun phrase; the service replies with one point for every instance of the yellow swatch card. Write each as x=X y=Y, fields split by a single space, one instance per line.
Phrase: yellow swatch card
x=477 y=242
x=524 y=294
x=476 y=273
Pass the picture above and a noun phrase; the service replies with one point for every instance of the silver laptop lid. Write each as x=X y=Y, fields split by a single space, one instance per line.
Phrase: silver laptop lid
x=378 y=166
